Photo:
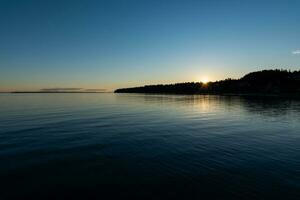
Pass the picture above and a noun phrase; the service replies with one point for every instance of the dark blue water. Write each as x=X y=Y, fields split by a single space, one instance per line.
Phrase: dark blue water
x=101 y=146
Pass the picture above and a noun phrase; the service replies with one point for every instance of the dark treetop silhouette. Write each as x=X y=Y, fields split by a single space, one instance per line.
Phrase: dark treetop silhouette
x=266 y=82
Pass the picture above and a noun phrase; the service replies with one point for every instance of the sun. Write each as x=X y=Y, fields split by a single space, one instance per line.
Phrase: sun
x=204 y=80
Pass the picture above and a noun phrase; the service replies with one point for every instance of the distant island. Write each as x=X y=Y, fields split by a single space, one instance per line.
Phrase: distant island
x=64 y=90
x=266 y=82
x=47 y=92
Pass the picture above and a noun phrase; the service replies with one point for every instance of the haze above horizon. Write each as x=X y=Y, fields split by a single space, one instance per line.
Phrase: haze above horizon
x=104 y=45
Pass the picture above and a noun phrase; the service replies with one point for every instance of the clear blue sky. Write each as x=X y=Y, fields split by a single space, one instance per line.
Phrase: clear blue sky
x=111 y=44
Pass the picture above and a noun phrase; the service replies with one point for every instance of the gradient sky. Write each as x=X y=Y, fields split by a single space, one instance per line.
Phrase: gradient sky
x=111 y=44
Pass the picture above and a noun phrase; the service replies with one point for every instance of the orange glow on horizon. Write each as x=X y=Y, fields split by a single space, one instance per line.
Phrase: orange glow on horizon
x=204 y=80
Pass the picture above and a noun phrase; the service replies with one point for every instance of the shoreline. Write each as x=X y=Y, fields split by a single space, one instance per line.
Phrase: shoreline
x=221 y=94
x=54 y=92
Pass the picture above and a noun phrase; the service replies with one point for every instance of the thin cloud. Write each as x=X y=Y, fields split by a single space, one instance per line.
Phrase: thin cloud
x=95 y=90
x=296 y=52
x=60 y=89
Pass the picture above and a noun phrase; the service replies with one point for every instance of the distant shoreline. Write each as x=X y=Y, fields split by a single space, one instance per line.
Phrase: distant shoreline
x=38 y=92
x=203 y=94
x=257 y=95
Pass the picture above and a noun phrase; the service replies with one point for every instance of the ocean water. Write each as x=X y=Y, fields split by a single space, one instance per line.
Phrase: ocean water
x=135 y=146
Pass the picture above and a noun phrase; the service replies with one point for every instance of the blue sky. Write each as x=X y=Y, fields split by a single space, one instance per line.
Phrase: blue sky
x=111 y=44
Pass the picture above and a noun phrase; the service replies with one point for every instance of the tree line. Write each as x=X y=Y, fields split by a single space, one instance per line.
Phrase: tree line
x=259 y=82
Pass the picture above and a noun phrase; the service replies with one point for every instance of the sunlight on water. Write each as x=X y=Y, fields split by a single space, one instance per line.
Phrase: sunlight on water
x=81 y=145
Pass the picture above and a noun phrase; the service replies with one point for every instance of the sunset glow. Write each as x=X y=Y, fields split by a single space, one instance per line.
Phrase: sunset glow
x=108 y=45
x=204 y=80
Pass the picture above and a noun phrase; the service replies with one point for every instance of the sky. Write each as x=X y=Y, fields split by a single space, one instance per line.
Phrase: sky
x=122 y=43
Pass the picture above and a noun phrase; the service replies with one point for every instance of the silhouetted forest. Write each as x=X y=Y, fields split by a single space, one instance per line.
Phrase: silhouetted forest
x=266 y=82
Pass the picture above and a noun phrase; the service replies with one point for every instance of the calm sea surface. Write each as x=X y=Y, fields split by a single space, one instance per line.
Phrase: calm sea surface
x=92 y=146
